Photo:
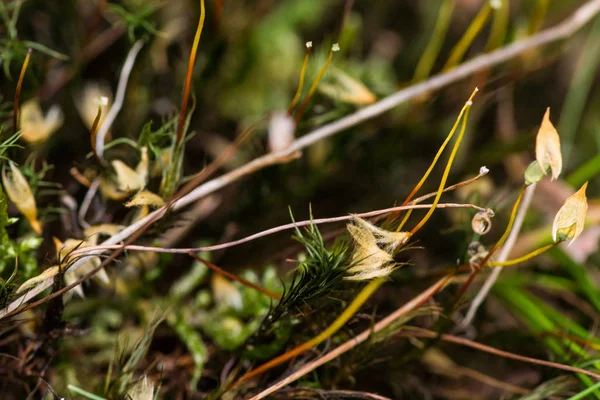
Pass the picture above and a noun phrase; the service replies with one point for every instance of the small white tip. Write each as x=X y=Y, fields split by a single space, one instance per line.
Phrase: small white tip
x=469 y=103
x=308 y=45
x=496 y=4
x=483 y=170
x=102 y=101
x=335 y=47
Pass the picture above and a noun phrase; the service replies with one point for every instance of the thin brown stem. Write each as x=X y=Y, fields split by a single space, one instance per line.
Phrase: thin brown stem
x=500 y=353
x=236 y=278
x=293 y=225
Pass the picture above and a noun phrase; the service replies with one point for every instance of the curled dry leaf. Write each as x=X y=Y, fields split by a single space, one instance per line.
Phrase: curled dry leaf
x=35 y=126
x=19 y=192
x=547 y=147
x=145 y=198
x=570 y=219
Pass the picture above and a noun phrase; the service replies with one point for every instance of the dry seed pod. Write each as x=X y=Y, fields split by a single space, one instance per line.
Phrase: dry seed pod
x=481 y=222
x=570 y=219
x=547 y=147
x=145 y=198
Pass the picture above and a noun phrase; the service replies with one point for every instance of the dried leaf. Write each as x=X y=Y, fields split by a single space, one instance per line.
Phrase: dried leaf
x=570 y=219
x=19 y=192
x=142 y=390
x=46 y=274
x=129 y=180
x=35 y=127
x=547 y=147
x=145 y=198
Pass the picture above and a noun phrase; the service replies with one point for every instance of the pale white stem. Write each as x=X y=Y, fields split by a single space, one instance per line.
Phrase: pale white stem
x=502 y=256
x=118 y=103
x=93 y=249
x=87 y=201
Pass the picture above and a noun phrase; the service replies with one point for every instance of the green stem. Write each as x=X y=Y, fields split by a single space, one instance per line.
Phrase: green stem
x=432 y=50
x=465 y=42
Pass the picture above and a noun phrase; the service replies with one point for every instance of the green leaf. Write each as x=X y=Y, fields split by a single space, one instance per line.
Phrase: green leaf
x=195 y=345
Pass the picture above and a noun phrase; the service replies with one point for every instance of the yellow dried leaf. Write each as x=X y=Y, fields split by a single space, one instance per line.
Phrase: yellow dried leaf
x=142 y=167
x=110 y=190
x=547 y=147
x=347 y=89
x=145 y=198
x=35 y=126
x=570 y=219
x=46 y=274
x=129 y=180
x=142 y=390
x=19 y=192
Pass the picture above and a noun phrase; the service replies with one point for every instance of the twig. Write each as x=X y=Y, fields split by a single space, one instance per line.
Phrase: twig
x=120 y=96
x=231 y=276
x=500 y=353
x=503 y=256
x=271 y=231
x=350 y=344
x=562 y=31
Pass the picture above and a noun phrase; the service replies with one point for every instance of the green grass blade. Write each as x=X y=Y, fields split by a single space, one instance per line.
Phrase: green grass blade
x=579 y=90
